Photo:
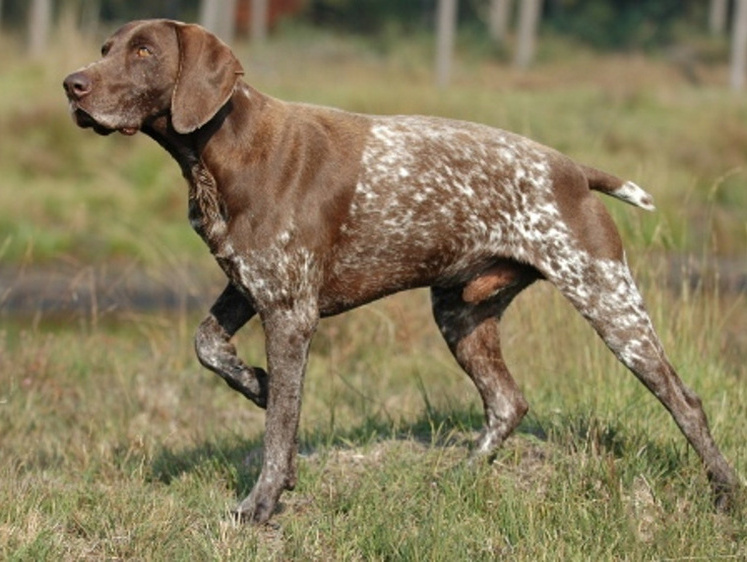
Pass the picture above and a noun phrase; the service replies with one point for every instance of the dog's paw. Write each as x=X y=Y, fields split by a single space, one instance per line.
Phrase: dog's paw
x=256 y=509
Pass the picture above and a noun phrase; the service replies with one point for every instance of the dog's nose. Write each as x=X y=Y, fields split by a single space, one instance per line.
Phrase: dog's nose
x=77 y=85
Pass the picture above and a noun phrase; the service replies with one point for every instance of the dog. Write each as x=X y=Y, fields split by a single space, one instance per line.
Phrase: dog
x=312 y=211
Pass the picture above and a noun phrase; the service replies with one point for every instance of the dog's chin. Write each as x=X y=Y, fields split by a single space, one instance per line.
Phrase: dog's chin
x=84 y=120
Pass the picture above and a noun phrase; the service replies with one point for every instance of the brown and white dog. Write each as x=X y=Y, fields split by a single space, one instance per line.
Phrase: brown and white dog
x=312 y=211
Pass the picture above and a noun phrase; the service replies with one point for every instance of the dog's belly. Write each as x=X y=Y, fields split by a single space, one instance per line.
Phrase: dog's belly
x=365 y=268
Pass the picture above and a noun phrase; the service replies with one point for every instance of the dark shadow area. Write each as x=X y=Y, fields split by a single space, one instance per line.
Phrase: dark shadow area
x=584 y=432
x=238 y=461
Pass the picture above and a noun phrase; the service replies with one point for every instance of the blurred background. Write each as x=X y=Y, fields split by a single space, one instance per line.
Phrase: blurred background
x=648 y=89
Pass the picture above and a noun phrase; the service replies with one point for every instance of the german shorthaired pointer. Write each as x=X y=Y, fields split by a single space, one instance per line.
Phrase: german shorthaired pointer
x=312 y=211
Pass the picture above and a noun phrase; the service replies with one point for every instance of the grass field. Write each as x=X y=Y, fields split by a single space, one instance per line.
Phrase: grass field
x=115 y=444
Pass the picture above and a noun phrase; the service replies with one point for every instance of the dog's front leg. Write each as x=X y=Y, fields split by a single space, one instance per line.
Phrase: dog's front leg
x=216 y=352
x=288 y=333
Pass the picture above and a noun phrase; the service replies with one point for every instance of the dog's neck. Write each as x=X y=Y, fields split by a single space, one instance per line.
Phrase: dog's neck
x=233 y=118
x=203 y=158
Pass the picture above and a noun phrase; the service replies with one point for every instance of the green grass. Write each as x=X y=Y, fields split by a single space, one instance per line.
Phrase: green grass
x=116 y=444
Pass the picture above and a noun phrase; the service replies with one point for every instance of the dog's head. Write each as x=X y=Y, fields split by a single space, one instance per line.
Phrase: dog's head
x=153 y=68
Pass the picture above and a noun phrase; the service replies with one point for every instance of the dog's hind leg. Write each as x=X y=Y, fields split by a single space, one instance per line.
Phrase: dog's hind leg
x=216 y=352
x=603 y=291
x=471 y=331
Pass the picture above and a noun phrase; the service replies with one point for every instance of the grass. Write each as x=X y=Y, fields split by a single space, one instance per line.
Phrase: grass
x=115 y=444
x=118 y=445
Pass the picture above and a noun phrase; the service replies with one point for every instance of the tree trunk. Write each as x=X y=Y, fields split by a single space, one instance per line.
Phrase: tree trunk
x=529 y=17
x=498 y=19
x=717 y=16
x=739 y=46
x=445 y=31
x=219 y=16
x=209 y=13
x=258 y=32
x=40 y=20
x=89 y=17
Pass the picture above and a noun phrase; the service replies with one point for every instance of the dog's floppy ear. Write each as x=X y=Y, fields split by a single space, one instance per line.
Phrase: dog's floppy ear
x=208 y=72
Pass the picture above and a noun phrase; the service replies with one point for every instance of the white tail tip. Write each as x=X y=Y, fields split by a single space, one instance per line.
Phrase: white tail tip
x=634 y=195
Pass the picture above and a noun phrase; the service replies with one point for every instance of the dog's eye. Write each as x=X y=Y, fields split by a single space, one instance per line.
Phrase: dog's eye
x=142 y=51
x=105 y=49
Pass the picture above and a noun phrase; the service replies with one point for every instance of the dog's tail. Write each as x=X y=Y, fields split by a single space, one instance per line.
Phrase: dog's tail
x=624 y=190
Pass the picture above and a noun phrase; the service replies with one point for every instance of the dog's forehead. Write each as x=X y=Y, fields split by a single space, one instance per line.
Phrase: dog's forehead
x=140 y=30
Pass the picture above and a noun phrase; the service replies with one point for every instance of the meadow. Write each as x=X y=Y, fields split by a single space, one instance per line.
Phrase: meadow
x=116 y=444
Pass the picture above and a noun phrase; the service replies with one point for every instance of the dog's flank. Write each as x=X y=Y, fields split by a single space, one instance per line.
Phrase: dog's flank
x=312 y=211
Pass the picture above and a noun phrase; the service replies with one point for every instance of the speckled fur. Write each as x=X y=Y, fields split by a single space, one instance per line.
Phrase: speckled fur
x=312 y=211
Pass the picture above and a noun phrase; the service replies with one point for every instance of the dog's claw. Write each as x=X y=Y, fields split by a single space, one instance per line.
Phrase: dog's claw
x=254 y=511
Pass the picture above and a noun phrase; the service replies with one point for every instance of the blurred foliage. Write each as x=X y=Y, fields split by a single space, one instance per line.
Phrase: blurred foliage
x=374 y=16
x=122 y=10
x=14 y=11
x=622 y=24
x=608 y=24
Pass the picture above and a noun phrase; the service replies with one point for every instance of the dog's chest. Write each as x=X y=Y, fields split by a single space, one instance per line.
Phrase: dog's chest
x=206 y=212
x=269 y=273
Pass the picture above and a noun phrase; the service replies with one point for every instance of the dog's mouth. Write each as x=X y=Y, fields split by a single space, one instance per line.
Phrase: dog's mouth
x=86 y=121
